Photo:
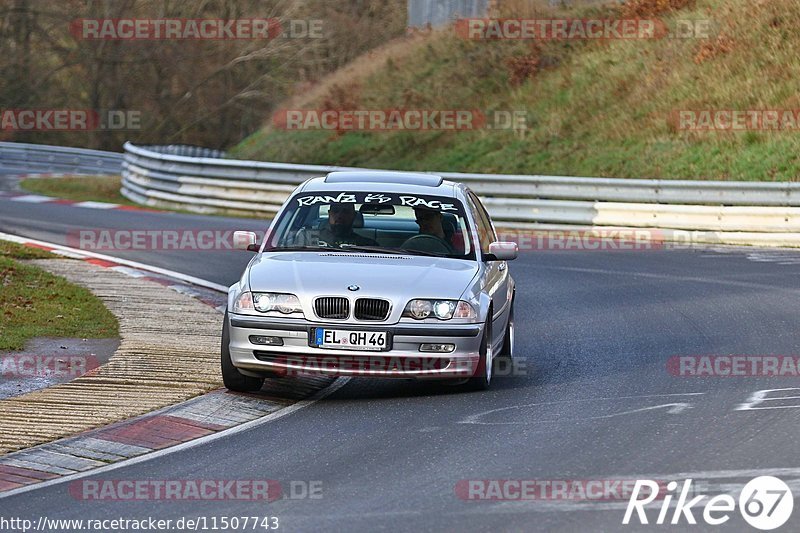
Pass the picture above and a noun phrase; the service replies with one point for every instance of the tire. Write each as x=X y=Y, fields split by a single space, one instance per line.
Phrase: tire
x=507 y=351
x=482 y=379
x=231 y=377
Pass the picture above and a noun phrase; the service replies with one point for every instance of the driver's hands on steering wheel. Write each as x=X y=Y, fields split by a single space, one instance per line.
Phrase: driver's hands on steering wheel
x=427 y=243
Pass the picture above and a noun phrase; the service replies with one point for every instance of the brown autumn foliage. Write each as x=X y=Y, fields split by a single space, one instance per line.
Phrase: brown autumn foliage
x=649 y=8
x=342 y=98
x=206 y=92
x=710 y=49
x=523 y=67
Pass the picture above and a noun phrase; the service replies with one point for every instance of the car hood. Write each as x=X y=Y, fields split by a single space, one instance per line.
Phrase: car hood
x=398 y=278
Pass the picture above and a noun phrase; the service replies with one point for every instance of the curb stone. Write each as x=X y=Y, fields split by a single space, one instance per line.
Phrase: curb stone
x=156 y=391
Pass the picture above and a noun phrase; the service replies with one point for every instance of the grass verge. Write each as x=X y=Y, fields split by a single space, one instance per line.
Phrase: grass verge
x=79 y=188
x=35 y=303
x=101 y=189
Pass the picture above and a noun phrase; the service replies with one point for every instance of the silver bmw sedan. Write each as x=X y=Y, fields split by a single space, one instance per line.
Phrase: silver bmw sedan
x=376 y=274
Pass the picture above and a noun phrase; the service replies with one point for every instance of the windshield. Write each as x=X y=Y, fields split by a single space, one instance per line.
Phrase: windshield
x=369 y=222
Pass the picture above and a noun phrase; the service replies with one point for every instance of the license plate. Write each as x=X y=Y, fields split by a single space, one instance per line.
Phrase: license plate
x=340 y=339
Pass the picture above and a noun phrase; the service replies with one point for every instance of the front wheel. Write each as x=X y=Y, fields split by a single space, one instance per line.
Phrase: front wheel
x=231 y=377
x=482 y=378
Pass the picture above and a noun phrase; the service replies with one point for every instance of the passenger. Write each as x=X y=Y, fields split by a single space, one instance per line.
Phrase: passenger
x=339 y=229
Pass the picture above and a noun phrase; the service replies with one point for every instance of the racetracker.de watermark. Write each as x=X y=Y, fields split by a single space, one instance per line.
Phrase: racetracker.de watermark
x=38 y=119
x=379 y=120
x=600 y=239
x=545 y=29
x=255 y=490
x=46 y=366
x=735 y=119
x=182 y=29
x=727 y=366
x=186 y=239
x=367 y=364
x=567 y=490
x=149 y=239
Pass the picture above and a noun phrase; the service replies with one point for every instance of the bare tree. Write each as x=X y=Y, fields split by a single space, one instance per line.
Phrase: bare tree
x=209 y=92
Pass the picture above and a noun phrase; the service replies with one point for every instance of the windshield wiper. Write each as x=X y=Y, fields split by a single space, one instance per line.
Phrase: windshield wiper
x=301 y=249
x=425 y=253
x=367 y=248
x=397 y=251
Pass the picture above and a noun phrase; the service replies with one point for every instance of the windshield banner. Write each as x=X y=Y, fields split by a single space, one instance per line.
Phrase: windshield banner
x=409 y=200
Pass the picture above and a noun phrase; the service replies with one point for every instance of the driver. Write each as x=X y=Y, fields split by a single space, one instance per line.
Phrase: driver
x=340 y=227
x=430 y=223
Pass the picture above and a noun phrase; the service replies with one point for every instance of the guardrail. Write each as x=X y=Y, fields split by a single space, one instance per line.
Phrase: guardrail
x=42 y=158
x=211 y=184
x=208 y=184
x=203 y=180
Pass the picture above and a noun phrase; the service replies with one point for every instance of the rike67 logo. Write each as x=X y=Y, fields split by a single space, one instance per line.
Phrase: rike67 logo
x=765 y=503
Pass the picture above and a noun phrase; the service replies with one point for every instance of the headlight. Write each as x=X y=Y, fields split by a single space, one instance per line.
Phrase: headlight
x=441 y=309
x=419 y=309
x=265 y=302
x=444 y=310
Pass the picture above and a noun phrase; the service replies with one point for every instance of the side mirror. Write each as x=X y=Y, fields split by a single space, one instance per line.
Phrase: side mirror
x=245 y=240
x=503 y=251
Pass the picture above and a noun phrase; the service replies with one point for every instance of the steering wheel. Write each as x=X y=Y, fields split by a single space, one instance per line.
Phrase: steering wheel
x=427 y=243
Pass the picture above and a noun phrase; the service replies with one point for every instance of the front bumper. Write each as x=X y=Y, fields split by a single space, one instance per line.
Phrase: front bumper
x=298 y=357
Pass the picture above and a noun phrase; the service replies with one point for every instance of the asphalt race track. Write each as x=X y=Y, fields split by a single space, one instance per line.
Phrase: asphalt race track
x=592 y=398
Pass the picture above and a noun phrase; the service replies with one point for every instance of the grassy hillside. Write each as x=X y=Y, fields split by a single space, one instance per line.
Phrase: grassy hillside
x=594 y=108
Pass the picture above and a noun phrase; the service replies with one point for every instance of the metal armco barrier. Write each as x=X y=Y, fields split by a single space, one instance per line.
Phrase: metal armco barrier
x=202 y=180
x=208 y=184
x=41 y=158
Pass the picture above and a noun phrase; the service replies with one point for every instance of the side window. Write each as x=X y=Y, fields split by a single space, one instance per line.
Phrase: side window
x=485 y=232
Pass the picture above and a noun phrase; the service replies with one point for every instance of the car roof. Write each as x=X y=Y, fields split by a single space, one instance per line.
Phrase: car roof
x=380 y=181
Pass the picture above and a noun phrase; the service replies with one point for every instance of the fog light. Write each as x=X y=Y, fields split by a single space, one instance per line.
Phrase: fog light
x=437 y=348
x=265 y=340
